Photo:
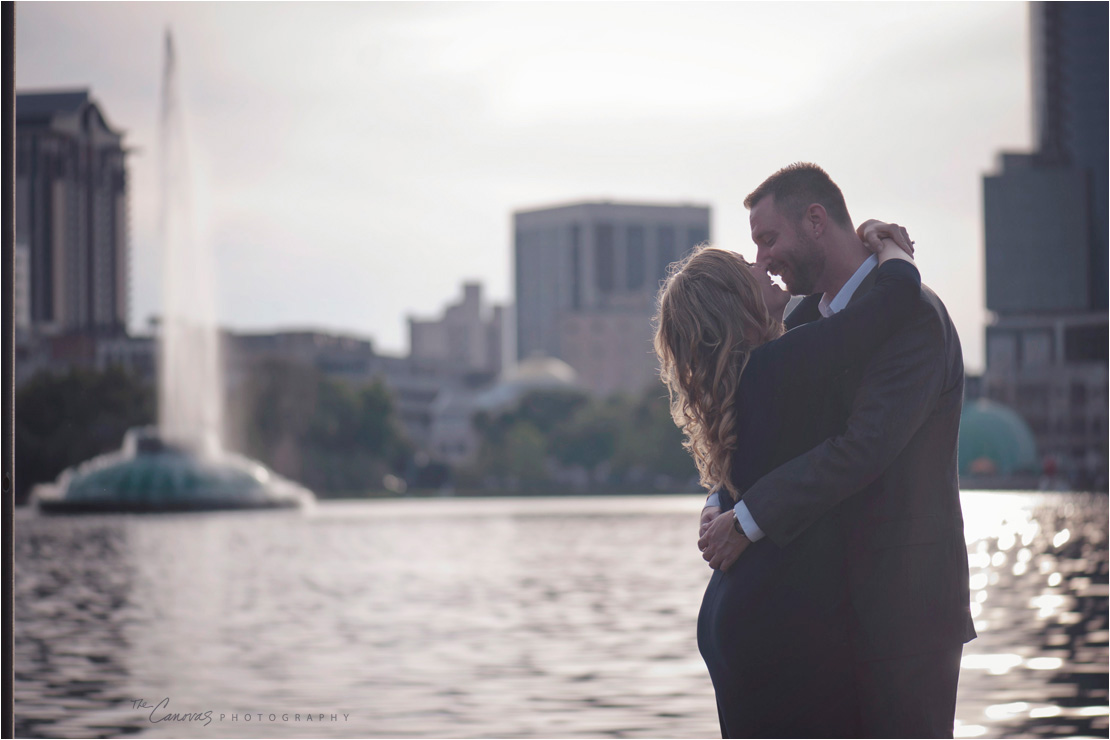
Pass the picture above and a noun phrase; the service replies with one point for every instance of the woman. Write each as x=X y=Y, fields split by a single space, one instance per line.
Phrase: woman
x=773 y=629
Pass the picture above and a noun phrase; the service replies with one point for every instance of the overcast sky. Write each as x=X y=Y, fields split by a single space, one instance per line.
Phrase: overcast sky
x=358 y=161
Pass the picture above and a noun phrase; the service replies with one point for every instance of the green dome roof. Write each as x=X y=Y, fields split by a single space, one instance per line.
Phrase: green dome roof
x=994 y=439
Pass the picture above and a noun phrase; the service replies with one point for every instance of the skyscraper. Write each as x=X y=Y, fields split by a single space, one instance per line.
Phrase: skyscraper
x=586 y=279
x=71 y=212
x=1070 y=81
x=1045 y=221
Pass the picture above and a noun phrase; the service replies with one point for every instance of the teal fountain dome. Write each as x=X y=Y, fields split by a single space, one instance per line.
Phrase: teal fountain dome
x=151 y=475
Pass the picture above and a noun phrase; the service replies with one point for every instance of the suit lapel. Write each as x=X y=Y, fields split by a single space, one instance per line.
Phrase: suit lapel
x=805 y=312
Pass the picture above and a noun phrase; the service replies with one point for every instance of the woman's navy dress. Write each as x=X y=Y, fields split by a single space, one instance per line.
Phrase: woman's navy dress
x=773 y=630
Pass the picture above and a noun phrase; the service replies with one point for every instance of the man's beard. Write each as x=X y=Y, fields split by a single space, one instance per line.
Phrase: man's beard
x=807 y=265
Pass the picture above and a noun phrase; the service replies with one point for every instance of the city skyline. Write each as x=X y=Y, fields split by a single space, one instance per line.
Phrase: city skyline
x=360 y=180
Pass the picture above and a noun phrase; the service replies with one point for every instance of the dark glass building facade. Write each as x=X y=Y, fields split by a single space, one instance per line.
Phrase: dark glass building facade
x=1045 y=222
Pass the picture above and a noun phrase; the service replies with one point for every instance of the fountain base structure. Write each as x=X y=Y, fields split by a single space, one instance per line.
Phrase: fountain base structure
x=150 y=474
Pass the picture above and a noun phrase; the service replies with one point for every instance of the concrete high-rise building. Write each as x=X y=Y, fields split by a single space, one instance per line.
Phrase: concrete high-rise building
x=587 y=275
x=71 y=212
x=1045 y=221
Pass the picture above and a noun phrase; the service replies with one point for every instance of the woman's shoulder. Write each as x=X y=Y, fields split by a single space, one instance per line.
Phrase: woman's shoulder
x=773 y=367
x=768 y=357
x=759 y=371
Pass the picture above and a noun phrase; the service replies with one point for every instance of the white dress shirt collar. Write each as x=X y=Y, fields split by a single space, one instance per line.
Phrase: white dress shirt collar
x=828 y=308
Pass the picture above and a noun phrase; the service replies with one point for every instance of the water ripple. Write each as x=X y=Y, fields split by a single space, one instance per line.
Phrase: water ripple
x=483 y=618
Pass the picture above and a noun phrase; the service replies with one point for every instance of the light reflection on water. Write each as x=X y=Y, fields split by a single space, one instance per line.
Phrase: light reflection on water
x=484 y=618
x=1039 y=598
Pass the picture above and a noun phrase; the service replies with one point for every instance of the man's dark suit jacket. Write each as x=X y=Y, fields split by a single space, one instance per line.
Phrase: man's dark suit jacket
x=907 y=560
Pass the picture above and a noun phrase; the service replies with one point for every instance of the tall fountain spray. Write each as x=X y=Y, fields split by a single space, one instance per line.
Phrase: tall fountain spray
x=189 y=390
x=180 y=466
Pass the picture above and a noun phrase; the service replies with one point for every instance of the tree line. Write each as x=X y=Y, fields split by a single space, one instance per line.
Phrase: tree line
x=567 y=440
x=341 y=438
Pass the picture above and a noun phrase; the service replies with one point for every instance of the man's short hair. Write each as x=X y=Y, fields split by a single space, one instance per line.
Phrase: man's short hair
x=797 y=186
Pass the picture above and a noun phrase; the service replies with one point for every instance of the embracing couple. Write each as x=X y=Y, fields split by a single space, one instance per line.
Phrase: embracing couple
x=838 y=605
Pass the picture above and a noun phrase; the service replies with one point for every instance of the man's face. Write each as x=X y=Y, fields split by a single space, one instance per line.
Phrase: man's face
x=784 y=250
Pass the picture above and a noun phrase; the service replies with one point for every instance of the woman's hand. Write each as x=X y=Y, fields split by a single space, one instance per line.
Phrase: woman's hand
x=874 y=233
x=708 y=514
x=723 y=543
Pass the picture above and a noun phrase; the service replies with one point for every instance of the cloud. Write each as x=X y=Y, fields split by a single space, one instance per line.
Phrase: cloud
x=360 y=159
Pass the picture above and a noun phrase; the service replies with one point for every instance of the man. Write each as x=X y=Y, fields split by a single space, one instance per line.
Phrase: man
x=890 y=476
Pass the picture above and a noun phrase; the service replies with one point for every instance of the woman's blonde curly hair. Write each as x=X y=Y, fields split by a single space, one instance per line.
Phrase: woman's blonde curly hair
x=710 y=316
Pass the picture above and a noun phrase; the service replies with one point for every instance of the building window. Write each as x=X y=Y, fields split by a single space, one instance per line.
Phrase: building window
x=1085 y=343
x=604 y=258
x=1001 y=351
x=1032 y=398
x=665 y=253
x=694 y=237
x=1078 y=395
x=1036 y=349
x=634 y=258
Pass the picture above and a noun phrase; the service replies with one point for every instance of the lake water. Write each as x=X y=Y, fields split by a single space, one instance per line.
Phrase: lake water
x=537 y=617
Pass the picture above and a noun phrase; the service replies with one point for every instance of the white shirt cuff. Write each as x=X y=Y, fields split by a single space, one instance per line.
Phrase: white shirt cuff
x=751 y=529
x=713 y=500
